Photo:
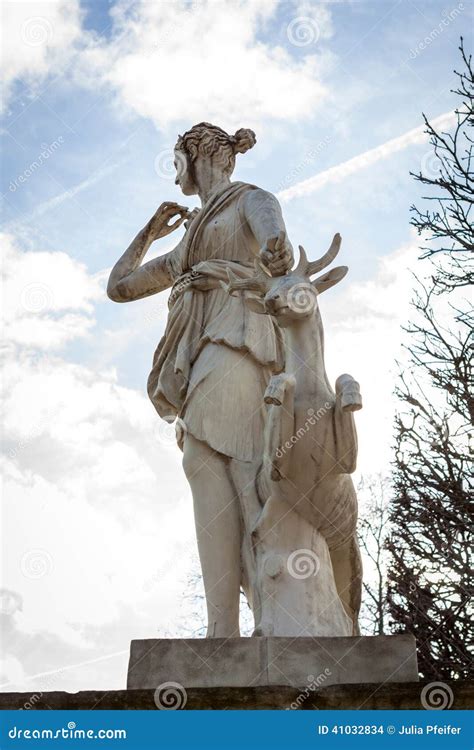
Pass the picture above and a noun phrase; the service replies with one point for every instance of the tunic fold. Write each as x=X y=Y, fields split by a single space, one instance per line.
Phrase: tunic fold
x=213 y=362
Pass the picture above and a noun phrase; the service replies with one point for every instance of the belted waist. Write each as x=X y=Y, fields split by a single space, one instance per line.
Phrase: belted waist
x=186 y=279
x=188 y=329
x=182 y=283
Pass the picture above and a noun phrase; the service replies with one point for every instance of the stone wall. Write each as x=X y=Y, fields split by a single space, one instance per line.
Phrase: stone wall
x=335 y=697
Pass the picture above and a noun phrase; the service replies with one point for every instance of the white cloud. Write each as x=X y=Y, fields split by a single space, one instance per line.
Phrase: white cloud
x=179 y=61
x=184 y=61
x=47 y=297
x=37 y=39
x=341 y=171
x=97 y=515
x=363 y=323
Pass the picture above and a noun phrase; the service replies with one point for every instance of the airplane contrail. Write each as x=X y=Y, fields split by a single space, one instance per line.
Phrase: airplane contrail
x=373 y=155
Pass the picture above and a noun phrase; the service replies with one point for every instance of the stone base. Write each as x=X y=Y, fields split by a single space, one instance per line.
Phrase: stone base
x=272 y=661
x=406 y=696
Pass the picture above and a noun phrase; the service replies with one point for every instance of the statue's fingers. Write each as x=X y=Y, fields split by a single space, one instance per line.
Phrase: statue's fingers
x=284 y=253
x=279 y=252
x=174 y=208
x=266 y=256
x=282 y=262
x=280 y=242
x=168 y=206
x=279 y=267
x=278 y=263
x=175 y=224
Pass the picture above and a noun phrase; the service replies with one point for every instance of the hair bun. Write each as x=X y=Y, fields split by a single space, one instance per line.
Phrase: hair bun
x=243 y=140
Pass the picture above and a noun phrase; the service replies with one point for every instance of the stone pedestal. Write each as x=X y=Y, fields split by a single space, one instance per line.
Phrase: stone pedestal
x=255 y=662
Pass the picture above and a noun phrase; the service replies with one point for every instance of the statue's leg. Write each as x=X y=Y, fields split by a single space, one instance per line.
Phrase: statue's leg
x=347 y=568
x=218 y=530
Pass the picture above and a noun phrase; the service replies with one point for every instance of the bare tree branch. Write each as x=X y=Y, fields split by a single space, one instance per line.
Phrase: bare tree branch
x=430 y=576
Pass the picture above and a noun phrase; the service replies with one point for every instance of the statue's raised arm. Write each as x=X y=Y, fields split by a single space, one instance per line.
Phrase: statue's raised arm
x=129 y=280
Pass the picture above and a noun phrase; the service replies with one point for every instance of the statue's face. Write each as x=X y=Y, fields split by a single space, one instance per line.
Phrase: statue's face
x=183 y=173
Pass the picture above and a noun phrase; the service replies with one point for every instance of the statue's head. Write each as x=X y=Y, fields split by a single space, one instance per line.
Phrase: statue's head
x=208 y=146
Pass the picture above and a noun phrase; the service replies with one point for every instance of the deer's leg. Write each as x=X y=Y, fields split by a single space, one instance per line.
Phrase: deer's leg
x=279 y=425
x=349 y=391
x=218 y=531
x=348 y=400
x=347 y=568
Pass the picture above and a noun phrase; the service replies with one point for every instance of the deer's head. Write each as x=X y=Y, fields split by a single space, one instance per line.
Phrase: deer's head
x=294 y=296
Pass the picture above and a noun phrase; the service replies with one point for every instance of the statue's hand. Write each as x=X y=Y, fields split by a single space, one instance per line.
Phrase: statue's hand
x=159 y=224
x=277 y=255
x=191 y=216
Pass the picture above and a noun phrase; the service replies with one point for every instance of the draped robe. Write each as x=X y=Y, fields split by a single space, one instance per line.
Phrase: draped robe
x=212 y=365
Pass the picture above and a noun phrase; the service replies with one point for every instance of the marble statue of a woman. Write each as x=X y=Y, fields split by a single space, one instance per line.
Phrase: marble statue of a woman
x=212 y=370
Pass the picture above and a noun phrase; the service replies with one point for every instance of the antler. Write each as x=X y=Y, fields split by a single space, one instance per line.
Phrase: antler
x=260 y=282
x=308 y=268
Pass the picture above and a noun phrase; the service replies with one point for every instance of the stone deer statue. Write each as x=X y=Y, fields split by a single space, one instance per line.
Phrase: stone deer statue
x=307 y=565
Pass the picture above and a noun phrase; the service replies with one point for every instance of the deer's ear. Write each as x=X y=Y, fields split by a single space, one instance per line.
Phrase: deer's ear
x=256 y=304
x=327 y=280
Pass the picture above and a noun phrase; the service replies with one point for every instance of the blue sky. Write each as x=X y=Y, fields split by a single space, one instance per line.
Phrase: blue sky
x=104 y=88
